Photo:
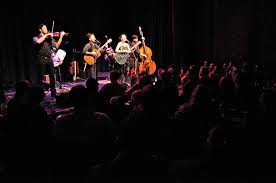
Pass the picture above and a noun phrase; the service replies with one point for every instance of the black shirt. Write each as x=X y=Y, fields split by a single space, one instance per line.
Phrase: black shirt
x=45 y=48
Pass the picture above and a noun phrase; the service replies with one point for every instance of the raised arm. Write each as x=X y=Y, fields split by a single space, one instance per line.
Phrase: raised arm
x=42 y=38
x=60 y=39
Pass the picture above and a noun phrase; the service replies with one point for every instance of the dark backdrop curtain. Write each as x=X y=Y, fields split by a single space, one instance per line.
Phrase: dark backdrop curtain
x=106 y=19
x=178 y=32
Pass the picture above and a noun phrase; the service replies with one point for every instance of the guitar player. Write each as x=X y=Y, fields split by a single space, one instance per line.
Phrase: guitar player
x=90 y=70
x=135 y=55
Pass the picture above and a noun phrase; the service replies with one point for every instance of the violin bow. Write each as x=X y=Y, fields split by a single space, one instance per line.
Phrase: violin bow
x=53 y=26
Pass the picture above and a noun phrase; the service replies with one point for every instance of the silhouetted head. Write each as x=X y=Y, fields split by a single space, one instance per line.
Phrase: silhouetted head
x=79 y=96
x=144 y=80
x=205 y=63
x=200 y=95
x=114 y=76
x=21 y=87
x=165 y=75
x=211 y=66
x=136 y=98
x=92 y=84
x=36 y=94
x=203 y=72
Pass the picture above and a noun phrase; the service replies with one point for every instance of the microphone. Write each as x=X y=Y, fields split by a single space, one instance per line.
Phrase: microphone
x=98 y=41
x=127 y=40
x=106 y=36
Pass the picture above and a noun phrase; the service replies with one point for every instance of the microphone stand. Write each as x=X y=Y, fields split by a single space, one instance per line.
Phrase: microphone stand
x=58 y=67
x=75 y=77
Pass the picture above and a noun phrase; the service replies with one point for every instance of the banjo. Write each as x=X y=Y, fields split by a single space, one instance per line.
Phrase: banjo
x=121 y=58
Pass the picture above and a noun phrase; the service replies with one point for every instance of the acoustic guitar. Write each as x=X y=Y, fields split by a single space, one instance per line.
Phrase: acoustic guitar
x=121 y=58
x=89 y=59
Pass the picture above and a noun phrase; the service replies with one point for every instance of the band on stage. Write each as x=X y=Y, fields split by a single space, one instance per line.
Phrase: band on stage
x=129 y=58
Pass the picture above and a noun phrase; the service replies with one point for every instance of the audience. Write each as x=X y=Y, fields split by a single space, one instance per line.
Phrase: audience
x=207 y=122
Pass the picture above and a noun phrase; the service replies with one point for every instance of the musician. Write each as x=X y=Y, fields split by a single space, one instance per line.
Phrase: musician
x=136 y=50
x=109 y=57
x=90 y=70
x=44 y=47
x=135 y=54
x=123 y=47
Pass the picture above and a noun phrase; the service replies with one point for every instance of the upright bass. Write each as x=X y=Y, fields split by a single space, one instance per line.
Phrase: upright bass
x=147 y=64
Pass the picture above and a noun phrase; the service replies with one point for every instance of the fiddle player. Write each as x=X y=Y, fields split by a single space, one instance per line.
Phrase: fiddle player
x=44 y=44
x=109 y=56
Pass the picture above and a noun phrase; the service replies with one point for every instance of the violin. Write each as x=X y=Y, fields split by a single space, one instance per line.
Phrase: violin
x=57 y=34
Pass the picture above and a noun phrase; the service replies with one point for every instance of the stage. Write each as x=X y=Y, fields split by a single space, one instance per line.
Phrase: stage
x=60 y=104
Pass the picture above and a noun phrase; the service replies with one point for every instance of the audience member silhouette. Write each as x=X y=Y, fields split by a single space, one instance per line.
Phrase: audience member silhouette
x=85 y=138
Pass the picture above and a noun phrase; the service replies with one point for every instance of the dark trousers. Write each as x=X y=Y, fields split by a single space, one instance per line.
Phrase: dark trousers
x=46 y=66
x=91 y=71
x=111 y=65
x=122 y=70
